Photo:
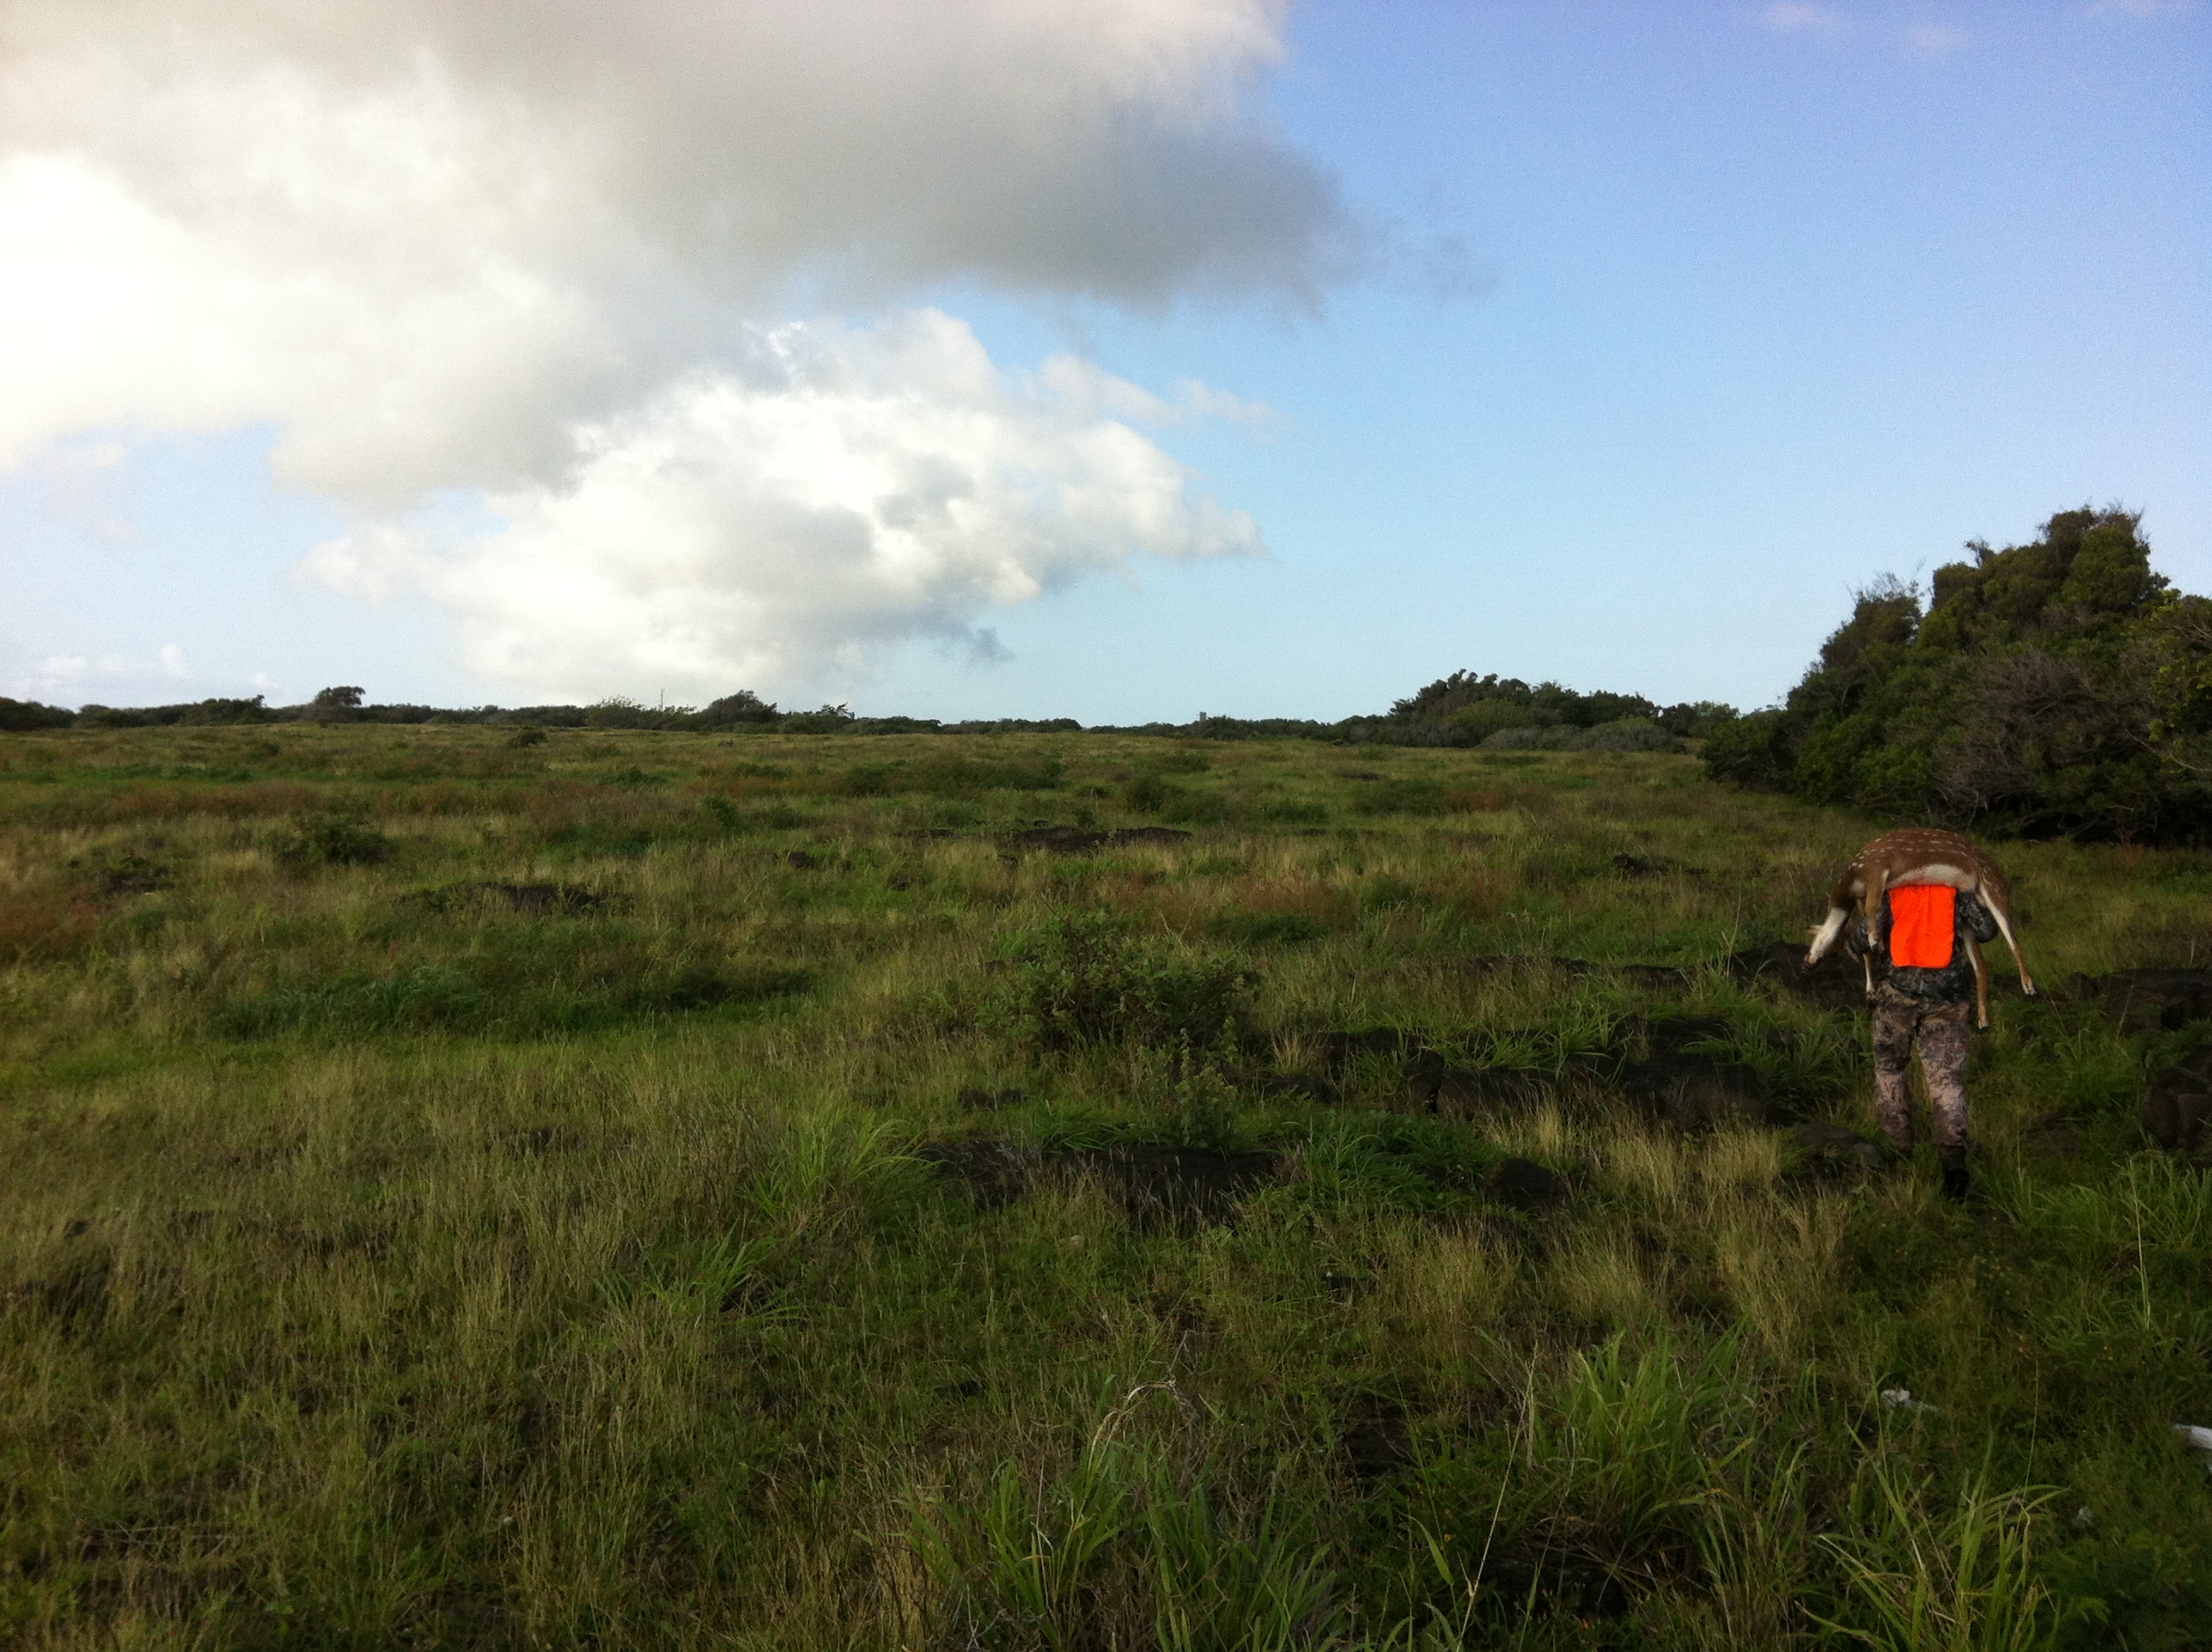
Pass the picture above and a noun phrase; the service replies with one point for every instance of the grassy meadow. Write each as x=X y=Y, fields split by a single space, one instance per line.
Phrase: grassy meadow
x=469 y=1189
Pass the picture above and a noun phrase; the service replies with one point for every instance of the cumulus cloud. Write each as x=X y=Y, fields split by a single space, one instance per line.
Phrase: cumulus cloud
x=538 y=247
x=838 y=491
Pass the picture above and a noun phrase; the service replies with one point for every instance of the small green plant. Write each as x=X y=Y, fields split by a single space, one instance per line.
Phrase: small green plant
x=1205 y=1105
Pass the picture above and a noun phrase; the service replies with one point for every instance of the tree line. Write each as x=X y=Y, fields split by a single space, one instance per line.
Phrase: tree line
x=2060 y=687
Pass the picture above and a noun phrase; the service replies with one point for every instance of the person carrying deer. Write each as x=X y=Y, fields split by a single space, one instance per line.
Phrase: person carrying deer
x=1926 y=902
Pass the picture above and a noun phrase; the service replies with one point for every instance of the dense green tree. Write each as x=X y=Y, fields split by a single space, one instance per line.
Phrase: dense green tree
x=2060 y=686
x=19 y=716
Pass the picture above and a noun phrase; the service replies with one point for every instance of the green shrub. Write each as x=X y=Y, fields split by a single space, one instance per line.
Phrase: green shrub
x=1084 y=980
x=1149 y=794
x=2059 y=686
x=333 y=838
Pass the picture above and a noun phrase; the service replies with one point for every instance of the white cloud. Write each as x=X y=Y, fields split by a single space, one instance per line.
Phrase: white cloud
x=840 y=491
x=485 y=247
x=57 y=672
x=1800 y=17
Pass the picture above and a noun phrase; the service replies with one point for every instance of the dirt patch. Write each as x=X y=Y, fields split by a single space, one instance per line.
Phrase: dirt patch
x=1153 y=1181
x=1375 y=1437
x=1539 y=1581
x=76 y=1298
x=1837 y=982
x=1682 y=1086
x=992 y=1173
x=1524 y=1185
x=535 y=900
x=538 y=1138
x=1075 y=839
x=1338 y=1050
x=1467 y=1093
x=2147 y=1000
x=2177 y=1104
x=1833 y=1152
x=547 y=898
x=2052 y=1136
x=134 y=874
x=1283 y=1086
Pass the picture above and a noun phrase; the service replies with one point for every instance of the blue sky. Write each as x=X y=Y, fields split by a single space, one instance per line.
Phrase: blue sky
x=1749 y=305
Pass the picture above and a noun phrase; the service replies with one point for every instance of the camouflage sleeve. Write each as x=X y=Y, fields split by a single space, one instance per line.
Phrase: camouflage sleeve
x=1975 y=919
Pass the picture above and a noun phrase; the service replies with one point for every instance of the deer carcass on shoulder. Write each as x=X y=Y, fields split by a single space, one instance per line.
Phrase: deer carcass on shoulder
x=1922 y=855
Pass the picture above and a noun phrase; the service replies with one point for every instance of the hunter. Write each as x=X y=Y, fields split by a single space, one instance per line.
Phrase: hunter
x=1922 y=1002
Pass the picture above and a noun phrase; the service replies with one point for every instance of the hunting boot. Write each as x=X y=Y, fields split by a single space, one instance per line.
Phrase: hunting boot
x=1955 y=1185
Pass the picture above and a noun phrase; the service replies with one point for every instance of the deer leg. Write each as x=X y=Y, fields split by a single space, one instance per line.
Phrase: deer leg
x=2004 y=928
x=1871 y=903
x=1981 y=984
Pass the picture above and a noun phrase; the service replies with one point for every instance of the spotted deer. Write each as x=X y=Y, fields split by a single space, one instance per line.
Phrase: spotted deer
x=1922 y=855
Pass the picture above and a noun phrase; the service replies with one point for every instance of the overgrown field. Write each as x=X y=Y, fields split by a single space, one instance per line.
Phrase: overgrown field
x=467 y=1189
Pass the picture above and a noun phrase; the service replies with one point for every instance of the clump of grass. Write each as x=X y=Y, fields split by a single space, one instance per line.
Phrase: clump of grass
x=1123 y=1537
x=1922 y=1580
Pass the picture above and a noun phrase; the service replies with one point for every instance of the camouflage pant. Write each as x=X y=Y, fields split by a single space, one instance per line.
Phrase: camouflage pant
x=1940 y=1031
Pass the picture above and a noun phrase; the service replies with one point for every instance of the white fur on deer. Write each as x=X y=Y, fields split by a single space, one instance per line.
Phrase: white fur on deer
x=1922 y=854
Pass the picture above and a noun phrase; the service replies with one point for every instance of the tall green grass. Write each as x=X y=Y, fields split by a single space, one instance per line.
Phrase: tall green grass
x=740 y=1256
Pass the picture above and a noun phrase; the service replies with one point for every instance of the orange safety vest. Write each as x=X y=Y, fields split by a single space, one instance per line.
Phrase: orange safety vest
x=1923 y=926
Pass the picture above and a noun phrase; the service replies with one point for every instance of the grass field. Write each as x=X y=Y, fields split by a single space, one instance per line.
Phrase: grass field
x=467 y=1189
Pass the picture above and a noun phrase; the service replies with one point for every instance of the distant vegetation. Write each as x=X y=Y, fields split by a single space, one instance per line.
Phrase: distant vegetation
x=1465 y=710
x=1459 y=710
x=2057 y=688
